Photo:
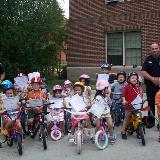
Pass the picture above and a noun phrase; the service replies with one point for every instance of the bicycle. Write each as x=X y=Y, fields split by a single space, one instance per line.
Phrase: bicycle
x=136 y=124
x=80 y=130
x=117 y=110
x=14 y=135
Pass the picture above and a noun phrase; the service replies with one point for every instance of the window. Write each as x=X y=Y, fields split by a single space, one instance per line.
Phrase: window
x=124 y=48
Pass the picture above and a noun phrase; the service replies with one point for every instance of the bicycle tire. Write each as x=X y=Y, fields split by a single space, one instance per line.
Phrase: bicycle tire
x=19 y=144
x=56 y=135
x=43 y=137
x=141 y=132
x=98 y=143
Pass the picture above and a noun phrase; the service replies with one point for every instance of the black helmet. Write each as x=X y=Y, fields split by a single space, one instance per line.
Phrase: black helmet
x=121 y=73
x=132 y=74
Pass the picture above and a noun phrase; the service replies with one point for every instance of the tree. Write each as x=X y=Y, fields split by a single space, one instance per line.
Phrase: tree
x=31 y=34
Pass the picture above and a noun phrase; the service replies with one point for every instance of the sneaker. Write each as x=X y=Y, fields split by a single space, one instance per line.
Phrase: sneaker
x=138 y=136
x=71 y=138
x=124 y=135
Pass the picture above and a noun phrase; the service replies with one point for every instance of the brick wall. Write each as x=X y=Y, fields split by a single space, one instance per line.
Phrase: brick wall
x=90 y=20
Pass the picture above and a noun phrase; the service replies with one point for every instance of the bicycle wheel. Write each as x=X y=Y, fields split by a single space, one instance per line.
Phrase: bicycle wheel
x=101 y=140
x=56 y=135
x=43 y=137
x=19 y=144
x=141 y=132
x=79 y=142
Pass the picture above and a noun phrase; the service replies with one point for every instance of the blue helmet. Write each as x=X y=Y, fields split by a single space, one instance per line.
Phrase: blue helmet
x=105 y=65
x=6 y=84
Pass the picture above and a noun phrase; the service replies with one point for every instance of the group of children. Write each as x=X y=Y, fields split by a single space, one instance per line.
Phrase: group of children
x=129 y=87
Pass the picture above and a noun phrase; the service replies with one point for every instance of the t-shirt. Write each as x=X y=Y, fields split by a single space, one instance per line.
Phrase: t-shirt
x=130 y=92
x=36 y=94
x=152 y=66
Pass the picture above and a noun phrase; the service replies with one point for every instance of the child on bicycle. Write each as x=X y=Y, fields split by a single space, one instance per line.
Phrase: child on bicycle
x=157 y=102
x=78 y=89
x=57 y=110
x=35 y=93
x=85 y=79
x=102 y=97
x=129 y=94
x=7 y=121
x=105 y=73
x=67 y=88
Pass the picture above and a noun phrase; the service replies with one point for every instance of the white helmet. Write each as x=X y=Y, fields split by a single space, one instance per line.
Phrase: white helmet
x=102 y=84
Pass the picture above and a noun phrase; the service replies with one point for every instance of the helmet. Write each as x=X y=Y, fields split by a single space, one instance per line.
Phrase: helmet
x=81 y=84
x=121 y=73
x=102 y=84
x=105 y=65
x=44 y=79
x=6 y=85
x=132 y=74
x=57 y=87
x=36 y=80
x=67 y=82
x=84 y=76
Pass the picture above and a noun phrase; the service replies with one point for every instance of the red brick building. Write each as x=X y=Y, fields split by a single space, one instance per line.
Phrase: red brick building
x=119 y=32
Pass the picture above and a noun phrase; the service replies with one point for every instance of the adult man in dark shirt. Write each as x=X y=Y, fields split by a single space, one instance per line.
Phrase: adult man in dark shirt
x=151 y=73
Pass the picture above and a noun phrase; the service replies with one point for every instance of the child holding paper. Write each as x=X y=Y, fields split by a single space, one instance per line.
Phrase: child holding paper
x=104 y=99
x=56 y=109
x=78 y=90
x=7 y=122
x=130 y=93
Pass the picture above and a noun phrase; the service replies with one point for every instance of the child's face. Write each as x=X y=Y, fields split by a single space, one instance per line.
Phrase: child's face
x=105 y=70
x=36 y=86
x=121 y=78
x=133 y=80
x=83 y=80
x=106 y=91
x=78 y=90
x=9 y=93
x=58 y=93
x=43 y=85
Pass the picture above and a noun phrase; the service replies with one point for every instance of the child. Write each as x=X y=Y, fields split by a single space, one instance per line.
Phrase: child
x=7 y=122
x=157 y=102
x=106 y=75
x=87 y=89
x=67 y=88
x=34 y=94
x=57 y=99
x=78 y=89
x=118 y=86
x=102 y=97
x=129 y=94
x=43 y=86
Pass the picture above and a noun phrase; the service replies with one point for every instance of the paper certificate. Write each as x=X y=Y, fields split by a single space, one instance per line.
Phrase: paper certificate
x=97 y=109
x=77 y=103
x=35 y=103
x=21 y=82
x=58 y=103
x=10 y=103
x=103 y=77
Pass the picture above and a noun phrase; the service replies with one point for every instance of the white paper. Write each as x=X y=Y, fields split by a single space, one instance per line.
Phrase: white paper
x=97 y=109
x=58 y=103
x=21 y=82
x=77 y=103
x=66 y=101
x=10 y=103
x=103 y=77
x=35 y=103
x=137 y=102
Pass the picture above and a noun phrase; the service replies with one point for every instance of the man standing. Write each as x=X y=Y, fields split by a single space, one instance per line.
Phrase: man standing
x=151 y=73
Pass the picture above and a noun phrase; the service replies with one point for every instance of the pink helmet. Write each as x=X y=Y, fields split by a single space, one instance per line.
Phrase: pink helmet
x=56 y=87
x=102 y=84
x=67 y=82
x=85 y=76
